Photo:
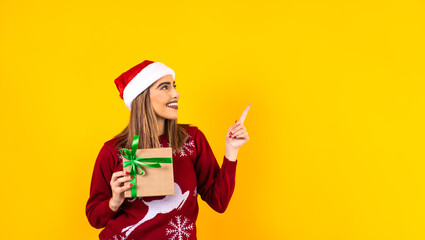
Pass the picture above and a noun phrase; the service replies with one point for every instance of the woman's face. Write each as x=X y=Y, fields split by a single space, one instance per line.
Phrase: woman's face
x=162 y=93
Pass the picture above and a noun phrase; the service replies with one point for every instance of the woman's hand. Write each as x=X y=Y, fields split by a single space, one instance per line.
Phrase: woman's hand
x=236 y=137
x=117 y=184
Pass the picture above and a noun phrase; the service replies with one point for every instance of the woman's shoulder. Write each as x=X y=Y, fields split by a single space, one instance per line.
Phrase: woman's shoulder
x=110 y=144
x=190 y=129
x=195 y=133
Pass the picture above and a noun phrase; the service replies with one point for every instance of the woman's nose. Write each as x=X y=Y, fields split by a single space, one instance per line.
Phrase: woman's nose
x=176 y=94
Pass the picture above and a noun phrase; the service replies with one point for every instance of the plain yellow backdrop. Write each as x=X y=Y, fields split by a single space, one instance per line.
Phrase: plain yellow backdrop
x=336 y=88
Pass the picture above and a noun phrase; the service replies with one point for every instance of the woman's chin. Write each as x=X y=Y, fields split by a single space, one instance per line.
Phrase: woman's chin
x=172 y=117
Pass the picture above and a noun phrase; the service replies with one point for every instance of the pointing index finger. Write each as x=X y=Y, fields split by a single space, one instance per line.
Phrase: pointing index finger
x=245 y=112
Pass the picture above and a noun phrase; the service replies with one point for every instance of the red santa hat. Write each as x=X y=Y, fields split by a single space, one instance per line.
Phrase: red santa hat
x=138 y=78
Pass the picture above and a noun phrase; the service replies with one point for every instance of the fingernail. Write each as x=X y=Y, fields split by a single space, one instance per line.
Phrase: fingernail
x=131 y=184
x=231 y=133
x=236 y=121
x=132 y=177
x=127 y=173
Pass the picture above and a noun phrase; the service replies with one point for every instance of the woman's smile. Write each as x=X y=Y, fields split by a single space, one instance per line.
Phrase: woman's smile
x=172 y=105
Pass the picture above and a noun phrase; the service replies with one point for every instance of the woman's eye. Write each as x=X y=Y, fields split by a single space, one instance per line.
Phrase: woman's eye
x=166 y=86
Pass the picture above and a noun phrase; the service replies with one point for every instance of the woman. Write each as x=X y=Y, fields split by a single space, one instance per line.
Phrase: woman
x=148 y=90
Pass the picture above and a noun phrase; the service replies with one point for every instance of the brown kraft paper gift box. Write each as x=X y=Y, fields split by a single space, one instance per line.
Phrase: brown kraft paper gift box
x=154 y=181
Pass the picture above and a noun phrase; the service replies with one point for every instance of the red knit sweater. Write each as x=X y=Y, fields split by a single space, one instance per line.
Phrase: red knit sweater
x=196 y=171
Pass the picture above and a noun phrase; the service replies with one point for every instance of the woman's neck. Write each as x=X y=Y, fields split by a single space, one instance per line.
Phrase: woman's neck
x=161 y=123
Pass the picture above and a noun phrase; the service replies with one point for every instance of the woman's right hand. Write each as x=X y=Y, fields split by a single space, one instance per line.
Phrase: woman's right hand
x=117 y=184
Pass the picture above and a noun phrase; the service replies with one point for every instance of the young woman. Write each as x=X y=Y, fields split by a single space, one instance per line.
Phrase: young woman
x=149 y=91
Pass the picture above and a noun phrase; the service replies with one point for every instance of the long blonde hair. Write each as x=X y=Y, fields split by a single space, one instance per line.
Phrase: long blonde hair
x=143 y=122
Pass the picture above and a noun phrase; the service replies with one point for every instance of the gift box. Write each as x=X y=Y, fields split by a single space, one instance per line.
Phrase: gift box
x=151 y=168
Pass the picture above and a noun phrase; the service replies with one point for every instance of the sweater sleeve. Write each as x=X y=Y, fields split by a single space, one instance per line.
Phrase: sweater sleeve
x=97 y=207
x=215 y=185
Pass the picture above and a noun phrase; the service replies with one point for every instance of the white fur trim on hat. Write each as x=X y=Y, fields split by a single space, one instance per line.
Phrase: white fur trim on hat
x=144 y=79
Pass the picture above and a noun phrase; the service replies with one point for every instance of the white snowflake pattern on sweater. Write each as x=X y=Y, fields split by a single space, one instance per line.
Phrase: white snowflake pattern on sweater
x=115 y=237
x=187 y=149
x=179 y=229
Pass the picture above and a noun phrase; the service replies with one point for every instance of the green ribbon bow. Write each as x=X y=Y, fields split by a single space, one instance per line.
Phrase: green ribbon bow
x=137 y=162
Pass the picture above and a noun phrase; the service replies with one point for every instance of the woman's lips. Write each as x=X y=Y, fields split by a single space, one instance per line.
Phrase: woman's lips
x=173 y=107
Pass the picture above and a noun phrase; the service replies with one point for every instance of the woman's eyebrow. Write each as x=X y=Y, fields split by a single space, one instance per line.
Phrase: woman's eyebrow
x=165 y=83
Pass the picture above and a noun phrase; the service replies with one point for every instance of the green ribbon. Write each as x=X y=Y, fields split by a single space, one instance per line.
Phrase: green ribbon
x=138 y=162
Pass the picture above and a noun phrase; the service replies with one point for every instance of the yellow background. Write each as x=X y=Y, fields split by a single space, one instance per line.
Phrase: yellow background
x=336 y=122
